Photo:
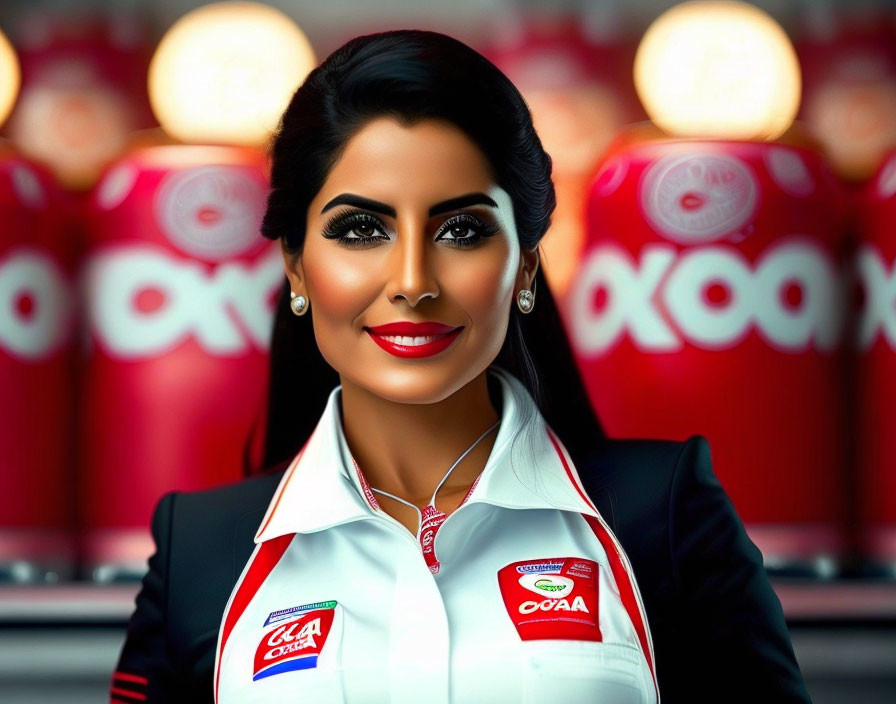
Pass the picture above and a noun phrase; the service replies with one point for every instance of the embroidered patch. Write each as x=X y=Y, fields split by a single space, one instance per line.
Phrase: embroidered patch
x=294 y=645
x=552 y=599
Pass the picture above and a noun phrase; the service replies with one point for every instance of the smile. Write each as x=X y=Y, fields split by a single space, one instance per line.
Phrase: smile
x=413 y=339
x=409 y=341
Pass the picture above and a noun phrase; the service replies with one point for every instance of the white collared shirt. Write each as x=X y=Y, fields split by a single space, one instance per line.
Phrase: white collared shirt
x=534 y=599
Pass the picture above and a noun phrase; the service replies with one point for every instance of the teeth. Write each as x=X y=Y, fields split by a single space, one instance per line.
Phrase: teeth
x=408 y=341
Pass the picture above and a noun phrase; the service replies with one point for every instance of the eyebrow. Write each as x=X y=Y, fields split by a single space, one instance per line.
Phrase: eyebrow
x=377 y=207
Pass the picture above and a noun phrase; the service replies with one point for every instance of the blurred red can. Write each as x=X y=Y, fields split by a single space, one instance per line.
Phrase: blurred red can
x=876 y=369
x=37 y=309
x=709 y=301
x=179 y=289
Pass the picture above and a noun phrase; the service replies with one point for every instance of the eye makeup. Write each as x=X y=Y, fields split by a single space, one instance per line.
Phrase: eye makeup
x=341 y=225
x=344 y=227
x=470 y=223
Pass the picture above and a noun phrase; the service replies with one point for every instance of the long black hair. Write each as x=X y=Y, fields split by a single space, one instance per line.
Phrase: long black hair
x=411 y=75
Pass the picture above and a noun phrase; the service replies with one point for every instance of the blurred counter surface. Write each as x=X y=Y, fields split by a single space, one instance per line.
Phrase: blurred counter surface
x=803 y=601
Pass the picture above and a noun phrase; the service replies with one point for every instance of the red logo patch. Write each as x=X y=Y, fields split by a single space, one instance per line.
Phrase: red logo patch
x=294 y=645
x=552 y=599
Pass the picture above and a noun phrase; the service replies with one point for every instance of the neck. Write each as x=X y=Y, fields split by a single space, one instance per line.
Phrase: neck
x=405 y=449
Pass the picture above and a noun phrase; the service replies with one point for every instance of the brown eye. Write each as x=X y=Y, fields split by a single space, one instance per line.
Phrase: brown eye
x=465 y=230
x=354 y=228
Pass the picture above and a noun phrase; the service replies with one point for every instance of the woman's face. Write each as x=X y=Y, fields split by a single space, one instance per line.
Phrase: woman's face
x=410 y=228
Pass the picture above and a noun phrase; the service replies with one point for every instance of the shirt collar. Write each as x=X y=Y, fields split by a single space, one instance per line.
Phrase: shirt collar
x=528 y=468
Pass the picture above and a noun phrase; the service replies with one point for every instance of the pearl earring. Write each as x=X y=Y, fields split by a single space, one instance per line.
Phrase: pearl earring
x=299 y=304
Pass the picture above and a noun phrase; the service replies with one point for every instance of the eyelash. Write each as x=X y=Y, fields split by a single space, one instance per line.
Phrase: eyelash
x=340 y=225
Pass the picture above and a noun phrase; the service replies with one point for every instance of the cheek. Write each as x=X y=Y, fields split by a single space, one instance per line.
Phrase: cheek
x=340 y=287
x=485 y=288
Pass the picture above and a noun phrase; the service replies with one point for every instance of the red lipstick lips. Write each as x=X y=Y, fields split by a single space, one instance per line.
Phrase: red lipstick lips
x=406 y=339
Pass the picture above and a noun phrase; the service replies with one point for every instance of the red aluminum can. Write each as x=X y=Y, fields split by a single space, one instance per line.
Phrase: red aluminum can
x=709 y=301
x=179 y=290
x=37 y=313
x=876 y=369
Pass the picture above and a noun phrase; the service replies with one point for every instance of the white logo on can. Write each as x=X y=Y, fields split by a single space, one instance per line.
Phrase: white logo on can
x=27 y=186
x=698 y=198
x=878 y=313
x=219 y=308
x=212 y=212
x=886 y=182
x=35 y=304
x=116 y=186
x=610 y=176
x=789 y=171
x=708 y=296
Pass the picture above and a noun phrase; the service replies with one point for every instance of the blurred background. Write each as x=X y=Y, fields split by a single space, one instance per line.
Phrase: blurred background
x=722 y=252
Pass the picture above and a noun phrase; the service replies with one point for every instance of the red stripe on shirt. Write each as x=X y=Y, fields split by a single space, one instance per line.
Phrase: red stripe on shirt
x=266 y=559
x=626 y=588
x=127 y=677
x=617 y=566
x=128 y=693
x=561 y=453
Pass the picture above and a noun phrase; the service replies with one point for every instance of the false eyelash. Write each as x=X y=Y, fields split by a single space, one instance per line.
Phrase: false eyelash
x=340 y=224
x=336 y=227
x=481 y=230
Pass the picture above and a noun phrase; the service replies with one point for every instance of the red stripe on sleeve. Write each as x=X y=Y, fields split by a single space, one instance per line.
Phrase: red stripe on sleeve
x=128 y=693
x=266 y=559
x=127 y=677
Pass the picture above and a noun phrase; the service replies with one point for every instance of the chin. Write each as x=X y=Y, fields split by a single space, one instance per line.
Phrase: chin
x=424 y=384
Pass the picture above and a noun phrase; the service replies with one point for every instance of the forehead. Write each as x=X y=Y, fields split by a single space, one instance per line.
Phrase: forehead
x=431 y=159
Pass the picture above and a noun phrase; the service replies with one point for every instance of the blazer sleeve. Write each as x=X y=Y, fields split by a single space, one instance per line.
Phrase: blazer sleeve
x=734 y=641
x=144 y=672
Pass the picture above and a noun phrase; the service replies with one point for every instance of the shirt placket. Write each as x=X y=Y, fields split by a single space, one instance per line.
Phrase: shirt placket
x=419 y=637
x=419 y=640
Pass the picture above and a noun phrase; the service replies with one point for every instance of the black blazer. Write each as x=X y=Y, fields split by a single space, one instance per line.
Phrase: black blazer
x=718 y=629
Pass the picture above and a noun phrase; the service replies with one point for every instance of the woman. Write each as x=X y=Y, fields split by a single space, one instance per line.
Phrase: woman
x=440 y=532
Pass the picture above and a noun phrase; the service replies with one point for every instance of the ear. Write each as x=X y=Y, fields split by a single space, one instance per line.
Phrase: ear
x=529 y=261
x=292 y=265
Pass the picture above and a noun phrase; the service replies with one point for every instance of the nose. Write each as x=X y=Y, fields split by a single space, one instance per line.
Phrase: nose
x=412 y=277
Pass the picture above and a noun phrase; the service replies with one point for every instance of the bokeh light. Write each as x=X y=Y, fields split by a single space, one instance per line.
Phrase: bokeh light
x=10 y=77
x=225 y=72
x=718 y=69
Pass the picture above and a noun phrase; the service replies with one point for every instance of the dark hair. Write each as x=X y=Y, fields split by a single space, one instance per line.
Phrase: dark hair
x=411 y=75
